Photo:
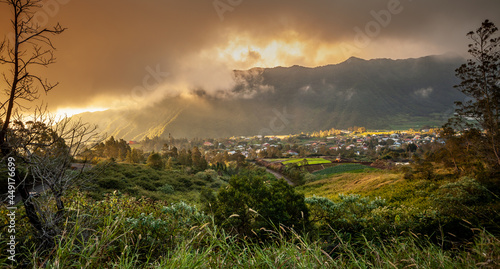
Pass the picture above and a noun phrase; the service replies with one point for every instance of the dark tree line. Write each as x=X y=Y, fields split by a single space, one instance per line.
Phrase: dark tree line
x=473 y=134
x=112 y=148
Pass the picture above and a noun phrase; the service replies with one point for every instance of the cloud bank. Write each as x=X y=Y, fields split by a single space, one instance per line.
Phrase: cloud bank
x=107 y=54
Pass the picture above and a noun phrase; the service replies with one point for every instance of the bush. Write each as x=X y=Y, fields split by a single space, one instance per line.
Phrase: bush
x=146 y=185
x=167 y=189
x=207 y=175
x=310 y=178
x=155 y=161
x=111 y=183
x=352 y=213
x=459 y=198
x=199 y=182
x=249 y=204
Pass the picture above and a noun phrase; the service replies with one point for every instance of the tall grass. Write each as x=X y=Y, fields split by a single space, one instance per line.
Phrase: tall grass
x=100 y=235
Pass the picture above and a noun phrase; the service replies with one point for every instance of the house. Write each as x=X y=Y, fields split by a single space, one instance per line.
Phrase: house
x=207 y=144
x=292 y=153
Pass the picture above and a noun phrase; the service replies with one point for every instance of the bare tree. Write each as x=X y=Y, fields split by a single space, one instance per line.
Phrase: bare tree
x=30 y=46
x=48 y=149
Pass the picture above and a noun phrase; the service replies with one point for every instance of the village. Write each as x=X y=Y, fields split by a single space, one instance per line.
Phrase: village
x=345 y=144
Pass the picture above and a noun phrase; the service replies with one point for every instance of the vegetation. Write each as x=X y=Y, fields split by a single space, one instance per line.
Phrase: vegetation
x=478 y=119
x=140 y=233
x=343 y=168
x=184 y=205
x=250 y=206
x=138 y=180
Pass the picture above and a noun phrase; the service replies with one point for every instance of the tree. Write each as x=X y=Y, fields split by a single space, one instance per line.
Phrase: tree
x=480 y=81
x=170 y=163
x=155 y=161
x=199 y=162
x=30 y=47
x=44 y=151
x=174 y=153
x=135 y=156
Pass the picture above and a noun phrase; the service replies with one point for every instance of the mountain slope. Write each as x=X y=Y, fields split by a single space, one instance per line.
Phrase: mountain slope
x=377 y=94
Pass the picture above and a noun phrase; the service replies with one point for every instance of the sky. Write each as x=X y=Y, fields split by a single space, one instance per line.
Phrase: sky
x=121 y=53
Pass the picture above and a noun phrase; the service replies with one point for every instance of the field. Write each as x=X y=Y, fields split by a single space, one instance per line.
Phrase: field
x=343 y=168
x=364 y=183
x=310 y=161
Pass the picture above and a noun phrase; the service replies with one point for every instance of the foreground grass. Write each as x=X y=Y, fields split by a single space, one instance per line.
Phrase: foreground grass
x=123 y=232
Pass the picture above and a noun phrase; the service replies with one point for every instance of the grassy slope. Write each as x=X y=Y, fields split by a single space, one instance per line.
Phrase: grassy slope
x=139 y=180
x=363 y=183
x=388 y=185
x=343 y=168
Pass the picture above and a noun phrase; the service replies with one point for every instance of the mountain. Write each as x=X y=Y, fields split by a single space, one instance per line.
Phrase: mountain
x=377 y=94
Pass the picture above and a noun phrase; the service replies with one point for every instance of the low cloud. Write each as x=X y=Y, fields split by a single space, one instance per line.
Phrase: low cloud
x=103 y=55
x=424 y=92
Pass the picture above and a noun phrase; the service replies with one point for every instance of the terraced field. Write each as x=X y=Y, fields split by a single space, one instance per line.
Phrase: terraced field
x=308 y=161
x=343 y=168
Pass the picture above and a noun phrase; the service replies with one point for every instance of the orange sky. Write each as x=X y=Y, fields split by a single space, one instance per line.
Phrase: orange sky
x=130 y=52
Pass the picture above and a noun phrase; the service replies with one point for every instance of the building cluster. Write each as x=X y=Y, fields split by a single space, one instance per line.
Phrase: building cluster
x=303 y=145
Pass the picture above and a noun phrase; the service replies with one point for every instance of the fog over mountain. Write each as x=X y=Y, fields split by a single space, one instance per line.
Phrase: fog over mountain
x=377 y=94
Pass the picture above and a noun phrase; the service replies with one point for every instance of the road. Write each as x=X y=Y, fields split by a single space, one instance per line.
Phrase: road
x=279 y=175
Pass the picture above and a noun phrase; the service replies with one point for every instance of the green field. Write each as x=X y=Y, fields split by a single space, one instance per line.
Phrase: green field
x=343 y=168
x=310 y=161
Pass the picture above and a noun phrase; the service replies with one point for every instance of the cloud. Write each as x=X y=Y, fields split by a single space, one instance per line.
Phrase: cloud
x=105 y=53
x=424 y=92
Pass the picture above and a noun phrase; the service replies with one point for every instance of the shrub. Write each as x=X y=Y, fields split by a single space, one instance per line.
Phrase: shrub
x=111 y=183
x=199 y=182
x=310 y=178
x=352 y=213
x=249 y=204
x=207 y=175
x=458 y=199
x=167 y=189
x=155 y=161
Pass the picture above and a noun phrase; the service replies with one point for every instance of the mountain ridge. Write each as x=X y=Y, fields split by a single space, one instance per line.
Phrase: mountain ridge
x=377 y=94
